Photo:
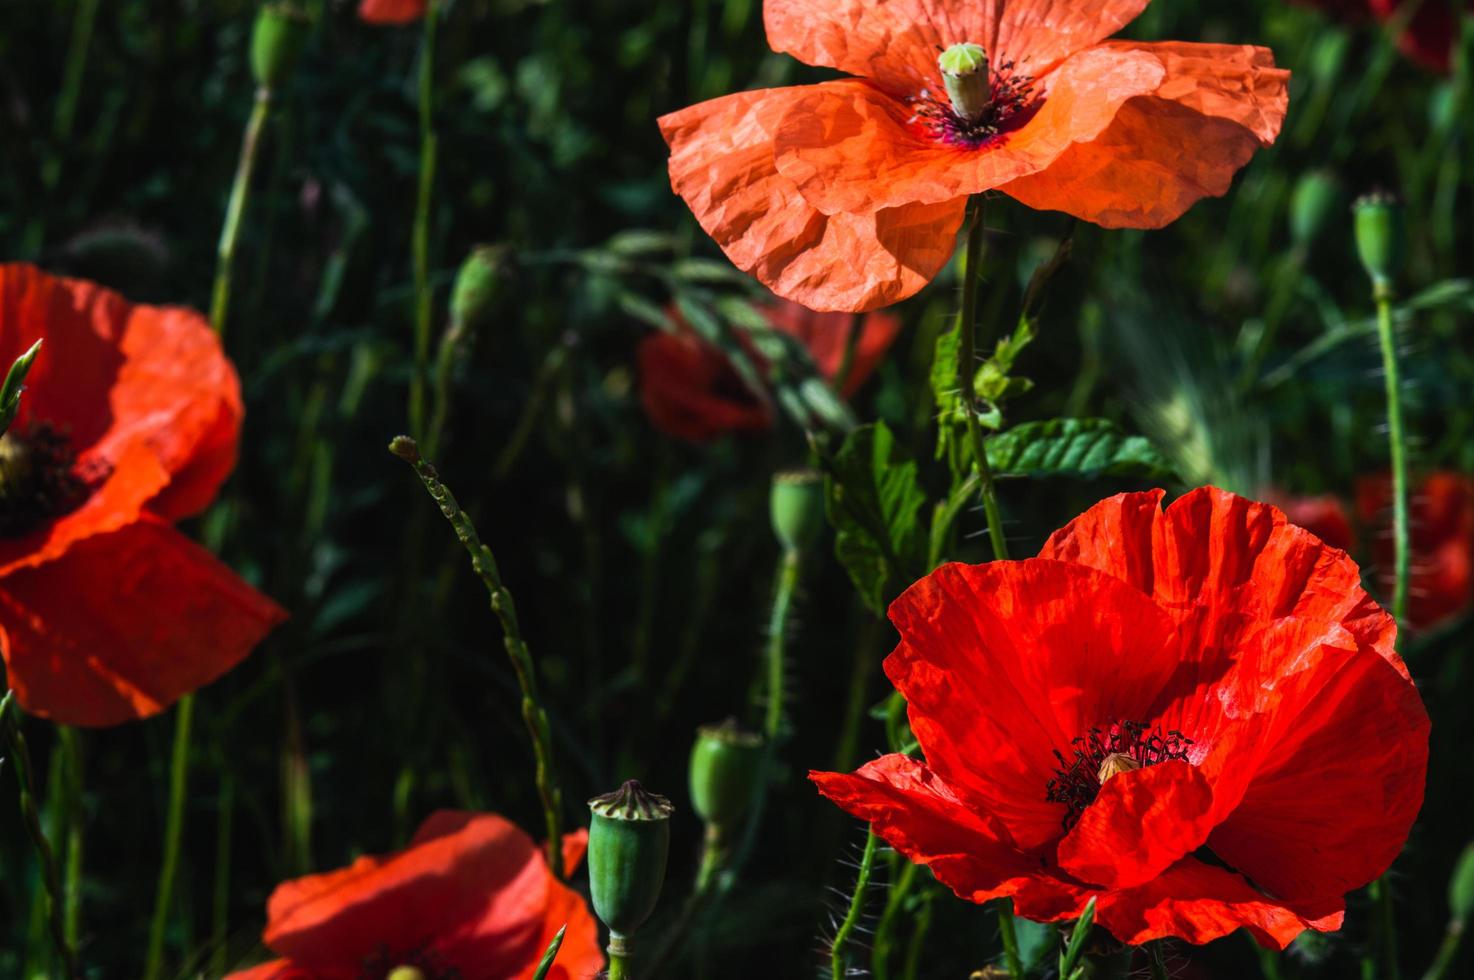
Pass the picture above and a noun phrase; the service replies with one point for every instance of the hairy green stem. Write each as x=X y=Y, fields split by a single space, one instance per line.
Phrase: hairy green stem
x=534 y=716
x=45 y=857
x=1009 y=936
x=853 y=913
x=240 y=191
x=173 y=834
x=966 y=367
x=421 y=234
x=788 y=568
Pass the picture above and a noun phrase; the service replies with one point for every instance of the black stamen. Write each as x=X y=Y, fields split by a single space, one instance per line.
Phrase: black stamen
x=1012 y=95
x=38 y=478
x=1077 y=781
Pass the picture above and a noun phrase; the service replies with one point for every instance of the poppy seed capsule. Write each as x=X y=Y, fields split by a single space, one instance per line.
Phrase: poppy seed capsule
x=1311 y=205
x=1115 y=764
x=475 y=284
x=406 y=973
x=724 y=772
x=629 y=838
x=965 y=76
x=1461 y=888
x=1380 y=238
x=276 y=42
x=796 y=504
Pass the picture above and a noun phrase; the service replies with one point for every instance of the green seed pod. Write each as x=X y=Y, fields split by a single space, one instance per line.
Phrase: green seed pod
x=797 y=507
x=476 y=283
x=965 y=76
x=1380 y=237
x=276 y=42
x=725 y=762
x=1461 y=887
x=629 y=838
x=1312 y=203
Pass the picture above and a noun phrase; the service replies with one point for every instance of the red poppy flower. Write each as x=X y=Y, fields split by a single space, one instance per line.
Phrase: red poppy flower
x=1441 y=525
x=129 y=423
x=1428 y=38
x=1323 y=516
x=847 y=195
x=391 y=11
x=1194 y=716
x=690 y=390
x=471 y=898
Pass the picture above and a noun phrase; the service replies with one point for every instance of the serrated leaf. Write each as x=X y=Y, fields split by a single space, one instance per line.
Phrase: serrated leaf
x=874 y=501
x=1075 y=447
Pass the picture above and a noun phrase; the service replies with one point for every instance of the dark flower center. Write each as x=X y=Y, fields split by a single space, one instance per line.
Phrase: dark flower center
x=1099 y=755
x=1010 y=103
x=413 y=965
x=38 y=478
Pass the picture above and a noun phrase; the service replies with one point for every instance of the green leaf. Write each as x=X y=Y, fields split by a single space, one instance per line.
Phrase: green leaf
x=640 y=242
x=1075 y=447
x=874 y=501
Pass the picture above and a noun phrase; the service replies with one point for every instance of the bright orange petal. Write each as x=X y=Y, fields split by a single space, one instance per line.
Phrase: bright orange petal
x=850 y=148
x=123 y=624
x=895 y=43
x=1217 y=105
x=722 y=165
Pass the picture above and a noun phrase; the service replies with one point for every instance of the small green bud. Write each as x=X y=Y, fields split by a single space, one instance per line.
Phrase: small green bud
x=797 y=507
x=405 y=448
x=725 y=764
x=476 y=283
x=1312 y=203
x=1461 y=887
x=1380 y=238
x=965 y=76
x=15 y=383
x=276 y=43
x=629 y=839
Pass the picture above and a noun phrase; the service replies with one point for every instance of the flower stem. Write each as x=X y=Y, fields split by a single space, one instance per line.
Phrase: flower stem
x=173 y=833
x=1009 y=935
x=534 y=716
x=220 y=900
x=45 y=857
x=71 y=752
x=966 y=365
x=1155 y=961
x=240 y=190
x=421 y=234
x=619 y=966
x=856 y=907
x=1448 y=951
x=788 y=568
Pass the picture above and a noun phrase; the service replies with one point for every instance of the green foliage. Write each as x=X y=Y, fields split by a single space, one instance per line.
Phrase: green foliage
x=1075 y=447
x=874 y=502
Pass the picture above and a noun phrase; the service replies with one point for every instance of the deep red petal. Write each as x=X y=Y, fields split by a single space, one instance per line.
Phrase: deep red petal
x=689 y=390
x=1140 y=824
x=1441 y=534
x=391 y=11
x=124 y=623
x=1006 y=663
x=825 y=335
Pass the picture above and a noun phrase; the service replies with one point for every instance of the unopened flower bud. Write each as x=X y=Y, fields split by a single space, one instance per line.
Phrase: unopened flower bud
x=15 y=383
x=965 y=75
x=629 y=838
x=276 y=43
x=1115 y=764
x=476 y=283
x=725 y=764
x=1461 y=888
x=797 y=507
x=1312 y=203
x=1380 y=238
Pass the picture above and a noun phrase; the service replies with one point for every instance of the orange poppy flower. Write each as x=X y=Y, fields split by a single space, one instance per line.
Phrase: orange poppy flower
x=470 y=898
x=129 y=423
x=391 y=11
x=847 y=195
x=690 y=391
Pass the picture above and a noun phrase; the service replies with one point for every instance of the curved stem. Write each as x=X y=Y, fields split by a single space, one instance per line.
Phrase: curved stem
x=421 y=235
x=240 y=190
x=966 y=365
x=173 y=833
x=788 y=568
x=852 y=914
x=1448 y=951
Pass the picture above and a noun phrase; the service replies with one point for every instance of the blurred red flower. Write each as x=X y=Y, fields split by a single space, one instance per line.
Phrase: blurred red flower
x=690 y=391
x=1441 y=523
x=1194 y=716
x=1428 y=38
x=391 y=11
x=1323 y=516
x=470 y=898
x=129 y=423
x=847 y=195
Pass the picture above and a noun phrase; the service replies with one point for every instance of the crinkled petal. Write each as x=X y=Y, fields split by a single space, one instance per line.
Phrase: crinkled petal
x=851 y=148
x=124 y=623
x=722 y=165
x=1217 y=105
x=895 y=43
x=915 y=811
x=1140 y=824
x=1199 y=903
x=1005 y=664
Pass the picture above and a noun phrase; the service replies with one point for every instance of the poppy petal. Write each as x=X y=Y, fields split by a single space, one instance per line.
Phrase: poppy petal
x=690 y=391
x=826 y=335
x=920 y=815
x=990 y=720
x=276 y=970
x=1217 y=106
x=851 y=148
x=125 y=623
x=1140 y=824
x=722 y=165
x=391 y=11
